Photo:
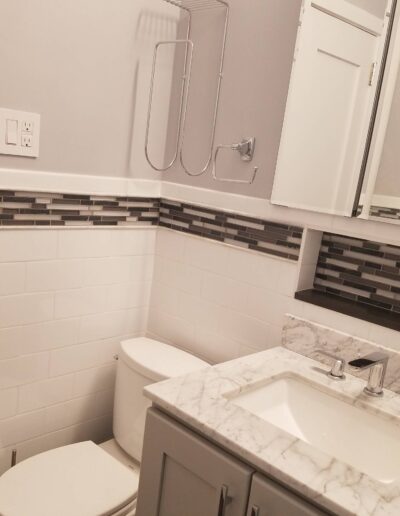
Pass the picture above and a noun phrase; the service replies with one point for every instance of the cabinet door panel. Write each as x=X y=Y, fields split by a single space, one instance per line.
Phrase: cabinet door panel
x=327 y=113
x=182 y=488
x=270 y=499
x=183 y=474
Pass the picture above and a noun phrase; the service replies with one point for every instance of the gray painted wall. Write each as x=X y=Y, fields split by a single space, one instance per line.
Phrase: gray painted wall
x=84 y=65
x=259 y=55
x=388 y=181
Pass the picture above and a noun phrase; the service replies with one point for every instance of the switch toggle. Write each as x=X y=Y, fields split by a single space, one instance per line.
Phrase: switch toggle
x=11 y=132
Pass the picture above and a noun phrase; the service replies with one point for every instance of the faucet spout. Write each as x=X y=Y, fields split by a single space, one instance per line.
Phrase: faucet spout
x=377 y=363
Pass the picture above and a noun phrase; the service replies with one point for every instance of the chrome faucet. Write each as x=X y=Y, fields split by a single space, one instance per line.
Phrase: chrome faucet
x=337 y=371
x=377 y=362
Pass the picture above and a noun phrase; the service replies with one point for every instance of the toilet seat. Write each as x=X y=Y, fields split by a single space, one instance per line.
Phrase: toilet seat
x=79 y=479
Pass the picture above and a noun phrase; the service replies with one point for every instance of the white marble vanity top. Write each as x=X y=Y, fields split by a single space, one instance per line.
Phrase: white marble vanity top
x=200 y=400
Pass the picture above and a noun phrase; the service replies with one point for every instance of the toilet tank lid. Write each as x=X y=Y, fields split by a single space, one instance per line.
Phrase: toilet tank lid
x=158 y=361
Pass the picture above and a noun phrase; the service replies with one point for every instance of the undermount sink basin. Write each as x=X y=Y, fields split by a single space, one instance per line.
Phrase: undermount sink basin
x=368 y=442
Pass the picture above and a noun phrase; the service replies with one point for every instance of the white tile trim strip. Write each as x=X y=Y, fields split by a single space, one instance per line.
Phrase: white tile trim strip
x=34 y=181
x=262 y=208
x=29 y=180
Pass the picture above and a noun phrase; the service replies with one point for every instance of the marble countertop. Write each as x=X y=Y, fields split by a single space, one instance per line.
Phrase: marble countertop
x=200 y=400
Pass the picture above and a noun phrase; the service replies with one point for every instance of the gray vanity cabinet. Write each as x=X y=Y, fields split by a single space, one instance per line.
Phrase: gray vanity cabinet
x=184 y=475
x=270 y=499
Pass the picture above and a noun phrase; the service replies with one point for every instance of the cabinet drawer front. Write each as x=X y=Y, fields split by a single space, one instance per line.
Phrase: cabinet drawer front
x=270 y=499
x=183 y=474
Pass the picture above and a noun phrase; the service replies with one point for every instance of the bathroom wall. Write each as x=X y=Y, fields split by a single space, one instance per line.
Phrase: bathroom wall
x=259 y=54
x=85 y=67
x=388 y=183
x=218 y=301
x=67 y=297
x=259 y=57
x=221 y=302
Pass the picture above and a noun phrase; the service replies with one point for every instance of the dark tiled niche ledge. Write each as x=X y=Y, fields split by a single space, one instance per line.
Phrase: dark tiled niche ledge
x=359 y=278
x=352 y=308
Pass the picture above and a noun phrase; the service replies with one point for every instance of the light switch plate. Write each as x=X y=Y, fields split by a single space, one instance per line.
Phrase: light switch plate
x=28 y=133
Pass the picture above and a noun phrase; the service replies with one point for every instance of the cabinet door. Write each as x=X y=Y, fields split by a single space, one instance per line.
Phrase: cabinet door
x=328 y=108
x=270 y=499
x=183 y=474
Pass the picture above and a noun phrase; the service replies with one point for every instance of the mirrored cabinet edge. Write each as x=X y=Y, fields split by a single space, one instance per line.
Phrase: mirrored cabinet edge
x=338 y=147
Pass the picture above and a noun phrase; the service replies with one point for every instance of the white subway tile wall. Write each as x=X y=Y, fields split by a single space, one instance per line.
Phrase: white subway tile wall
x=222 y=302
x=218 y=301
x=67 y=297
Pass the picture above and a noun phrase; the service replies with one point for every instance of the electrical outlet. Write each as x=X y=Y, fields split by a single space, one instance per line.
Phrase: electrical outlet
x=27 y=126
x=19 y=133
x=26 y=140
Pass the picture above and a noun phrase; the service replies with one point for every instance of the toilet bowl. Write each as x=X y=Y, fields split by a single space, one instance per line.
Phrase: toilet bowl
x=84 y=479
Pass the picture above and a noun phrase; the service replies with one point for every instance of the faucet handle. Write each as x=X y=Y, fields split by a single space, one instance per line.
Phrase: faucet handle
x=337 y=371
x=376 y=362
x=369 y=360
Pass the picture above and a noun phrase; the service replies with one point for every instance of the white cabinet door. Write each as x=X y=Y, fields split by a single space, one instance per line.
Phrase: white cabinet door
x=269 y=499
x=328 y=108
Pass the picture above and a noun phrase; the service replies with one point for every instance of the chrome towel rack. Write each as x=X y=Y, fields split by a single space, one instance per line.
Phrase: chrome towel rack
x=246 y=150
x=182 y=104
x=190 y=7
x=197 y=5
x=246 y=147
x=200 y=5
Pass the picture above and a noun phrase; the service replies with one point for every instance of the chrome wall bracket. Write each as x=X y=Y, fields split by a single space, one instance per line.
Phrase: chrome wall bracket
x=246 y=151
x=246 y=148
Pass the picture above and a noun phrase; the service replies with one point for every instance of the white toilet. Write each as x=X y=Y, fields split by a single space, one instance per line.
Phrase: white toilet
x=84 y=479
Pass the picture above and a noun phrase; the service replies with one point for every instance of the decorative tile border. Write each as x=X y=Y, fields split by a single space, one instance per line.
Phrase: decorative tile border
x=305 y=337
x=387 y=213
x=359 y=270
x=57 y=209
x=19 y=208
x=231 y=228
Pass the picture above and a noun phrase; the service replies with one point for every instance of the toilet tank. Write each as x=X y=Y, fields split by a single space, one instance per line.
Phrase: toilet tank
x=143 y=361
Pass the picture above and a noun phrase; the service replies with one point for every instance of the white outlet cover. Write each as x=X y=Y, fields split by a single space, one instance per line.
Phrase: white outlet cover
x=26 y=140
x=27 y=126
x=25 y=120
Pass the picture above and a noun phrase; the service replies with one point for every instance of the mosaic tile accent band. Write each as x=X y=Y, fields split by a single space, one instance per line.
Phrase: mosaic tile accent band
x=247 y=232
x=360 y=270
x=58 y=209
x=18 y=208
x=387 y=213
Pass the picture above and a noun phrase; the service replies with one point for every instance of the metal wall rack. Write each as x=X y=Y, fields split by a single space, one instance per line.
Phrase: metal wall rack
x=246 y=147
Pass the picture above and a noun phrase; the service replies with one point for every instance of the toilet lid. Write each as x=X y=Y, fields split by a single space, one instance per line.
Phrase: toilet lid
x=78 y=479
x=158 y=361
